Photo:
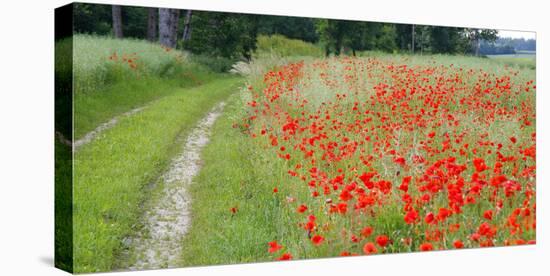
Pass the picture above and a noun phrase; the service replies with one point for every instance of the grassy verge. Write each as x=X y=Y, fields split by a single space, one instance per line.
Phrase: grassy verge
x=92 y=109
x=111 y=173
x=218 y=236
x=112 y=76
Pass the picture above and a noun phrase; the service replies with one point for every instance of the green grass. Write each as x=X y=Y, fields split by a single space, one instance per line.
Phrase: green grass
x=105 y=86
x=218 y=236
x=63 y=202
x=92 y=109
x=112 y=173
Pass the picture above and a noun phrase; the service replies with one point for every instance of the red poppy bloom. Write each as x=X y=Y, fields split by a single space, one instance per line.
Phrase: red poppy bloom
x=400 y=161
x=274 y=246
x=369 y=248
x=382 y=240
x=285 y=257
x=317 y=239
x=367 y=231
x=488 y=214
x=429 y=218
x=302 y=208
x=458 y=244
x=411 y=217
x=479 y=164
x=426 y=247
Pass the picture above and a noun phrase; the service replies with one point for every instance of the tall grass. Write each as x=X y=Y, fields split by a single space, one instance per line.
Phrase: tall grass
x=112 y=76
x=100 y=61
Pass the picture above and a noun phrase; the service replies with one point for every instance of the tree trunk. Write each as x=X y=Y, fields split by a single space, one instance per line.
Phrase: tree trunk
x=117 y=21
x=187 y=26
x=168 y=27
x=412 y=42
x=152 y=21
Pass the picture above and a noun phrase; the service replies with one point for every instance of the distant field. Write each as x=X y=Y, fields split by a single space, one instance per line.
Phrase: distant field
x=518 y=55
x=523 y=59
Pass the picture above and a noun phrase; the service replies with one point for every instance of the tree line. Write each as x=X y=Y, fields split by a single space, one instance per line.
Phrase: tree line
x=233 y=35
x=507 y=46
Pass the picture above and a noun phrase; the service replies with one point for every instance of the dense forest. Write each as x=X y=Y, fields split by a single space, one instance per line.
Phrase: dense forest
x=234 y=36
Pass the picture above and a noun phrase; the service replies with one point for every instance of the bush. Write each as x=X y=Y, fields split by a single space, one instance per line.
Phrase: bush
x=216 y=64
x=281 y=46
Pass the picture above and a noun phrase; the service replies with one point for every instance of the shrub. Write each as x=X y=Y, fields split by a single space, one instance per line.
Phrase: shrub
x=281 y=46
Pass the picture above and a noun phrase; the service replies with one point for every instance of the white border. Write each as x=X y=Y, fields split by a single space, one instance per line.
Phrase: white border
x=26 y=135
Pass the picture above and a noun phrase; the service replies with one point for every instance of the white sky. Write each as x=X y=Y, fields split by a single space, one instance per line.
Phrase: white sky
x=516 y=34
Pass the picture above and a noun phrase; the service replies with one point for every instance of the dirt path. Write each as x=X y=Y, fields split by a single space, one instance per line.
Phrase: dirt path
x=165 y=225
x=107 y=125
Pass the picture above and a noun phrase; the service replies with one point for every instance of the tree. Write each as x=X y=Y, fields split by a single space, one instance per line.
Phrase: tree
x=476 y=35
x=117 y=21
x=152 y=24
x=332 y=34
x=386 y=40
x=187 y=26
x=301 y=28
x=168 y=27
x=225 y=35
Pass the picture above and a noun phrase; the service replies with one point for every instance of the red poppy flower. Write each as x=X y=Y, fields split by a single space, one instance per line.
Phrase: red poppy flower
x=426 y=247
x=285 y=257
x=317 y=239
x=488 y=214
x=382 y=240
x=429 y=218
x=366 y=231
x=274 y=246
x=400 y=161
x=458 y=244
x=479 y=164
x=369 y=248
x=302 y=208
x=411 y=217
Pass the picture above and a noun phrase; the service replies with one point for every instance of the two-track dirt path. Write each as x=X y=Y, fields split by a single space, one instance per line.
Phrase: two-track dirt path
x=167 y=221
x=104 y=126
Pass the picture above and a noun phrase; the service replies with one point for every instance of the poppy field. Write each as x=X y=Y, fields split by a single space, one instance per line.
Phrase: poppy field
x=359 y=156
x=384 y=157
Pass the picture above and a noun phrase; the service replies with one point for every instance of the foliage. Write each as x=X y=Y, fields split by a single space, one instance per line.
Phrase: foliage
x=281 y=46
x=217 y=64
x=222 y=34
x=234 y=36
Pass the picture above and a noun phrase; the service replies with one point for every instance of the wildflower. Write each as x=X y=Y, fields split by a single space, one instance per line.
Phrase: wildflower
x=369 y=248
x=317 y=240
x=274 y=246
